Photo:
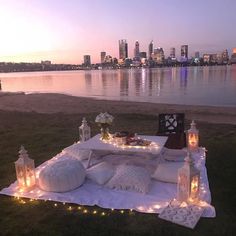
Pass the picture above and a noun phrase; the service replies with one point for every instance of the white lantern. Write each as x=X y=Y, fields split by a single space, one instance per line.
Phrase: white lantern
x=188 y=181
x=192 y=137
x=84 y=131
x=25 y=170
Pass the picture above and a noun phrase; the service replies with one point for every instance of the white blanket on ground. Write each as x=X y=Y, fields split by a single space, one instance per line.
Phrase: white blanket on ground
x=91 y=193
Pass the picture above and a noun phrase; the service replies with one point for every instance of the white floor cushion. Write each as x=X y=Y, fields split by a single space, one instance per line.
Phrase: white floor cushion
x=62 y=176
x=100 y=173
x=128 y=177
x=167 y=171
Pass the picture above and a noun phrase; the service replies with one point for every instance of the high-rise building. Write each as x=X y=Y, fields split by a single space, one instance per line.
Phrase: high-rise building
x=197 y=55
x=172 y=53
x=150 y=50
x=158 y=55
x=143 y=55
x=219 y=58
x=87 y=60
x=108 y=59
x=210 y=58
x=123 y=49
x=206 y=58
x=184 y=52
x=225 y=56
x=233 y=56
x=136 y=50
x=103 y=55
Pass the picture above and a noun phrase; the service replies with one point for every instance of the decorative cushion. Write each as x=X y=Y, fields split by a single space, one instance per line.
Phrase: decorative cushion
x=80 y=154
x=130 y=178
x=167 y=171
x=62 y=176
x=174 y=154
x=76 y=152
x=100 y=173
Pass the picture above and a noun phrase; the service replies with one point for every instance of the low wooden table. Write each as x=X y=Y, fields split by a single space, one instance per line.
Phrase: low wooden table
x=95 y=143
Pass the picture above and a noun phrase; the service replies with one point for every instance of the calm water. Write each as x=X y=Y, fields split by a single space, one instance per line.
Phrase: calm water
x=187 y=85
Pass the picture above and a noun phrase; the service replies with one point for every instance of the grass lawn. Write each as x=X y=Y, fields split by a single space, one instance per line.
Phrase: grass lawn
x=45 y=135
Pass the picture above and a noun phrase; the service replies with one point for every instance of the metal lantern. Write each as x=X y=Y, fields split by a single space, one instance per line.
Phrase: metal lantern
x=25 y=170
x=84 y=131
x=192 y=137
x=188 y=181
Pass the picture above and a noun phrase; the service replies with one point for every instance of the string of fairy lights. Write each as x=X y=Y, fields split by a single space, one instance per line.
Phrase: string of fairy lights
x=77 y=208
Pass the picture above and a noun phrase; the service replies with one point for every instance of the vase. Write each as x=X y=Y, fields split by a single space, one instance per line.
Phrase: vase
x=104 y=131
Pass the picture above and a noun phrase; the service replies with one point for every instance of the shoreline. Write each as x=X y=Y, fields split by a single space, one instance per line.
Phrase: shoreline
x=61 y=103
x=108 y=68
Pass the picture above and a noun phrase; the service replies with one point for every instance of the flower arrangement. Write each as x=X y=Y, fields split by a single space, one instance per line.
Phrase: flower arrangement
x=104 y=120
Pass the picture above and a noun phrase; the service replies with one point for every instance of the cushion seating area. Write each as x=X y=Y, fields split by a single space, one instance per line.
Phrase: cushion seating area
x=91 y=193
x=62 y=176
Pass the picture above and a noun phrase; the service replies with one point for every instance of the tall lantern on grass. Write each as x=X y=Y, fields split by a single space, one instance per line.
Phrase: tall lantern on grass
x=25 y=170
x=84 y=131
x=188 y=181
x=192 y=137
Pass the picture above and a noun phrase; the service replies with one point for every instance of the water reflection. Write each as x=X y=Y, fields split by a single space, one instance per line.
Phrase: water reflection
x=206 y=73
x=183 y=77
x=149 y=77
x=186 y=85
x=173 y=73
x=88 y=80
x=124 y=82
x=138 y=80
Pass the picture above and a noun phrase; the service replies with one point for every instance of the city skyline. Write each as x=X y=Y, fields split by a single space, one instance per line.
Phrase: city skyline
x=63 y=32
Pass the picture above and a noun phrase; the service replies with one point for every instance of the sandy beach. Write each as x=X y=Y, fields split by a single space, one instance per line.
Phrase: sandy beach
x=59 y=103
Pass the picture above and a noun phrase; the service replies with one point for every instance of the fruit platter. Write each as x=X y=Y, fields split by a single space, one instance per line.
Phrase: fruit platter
x=129 y=139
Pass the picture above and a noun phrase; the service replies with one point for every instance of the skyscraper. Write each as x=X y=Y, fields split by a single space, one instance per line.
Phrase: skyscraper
x=225 y=56
x=233 y=56
x=150 y=50
x=184 y=52
x=123 y=49
x=103 y=55
x=136 y=50
x=143 y=54
x=158 y=55
x=197 y=55
x=172 y=53
x=87 y=60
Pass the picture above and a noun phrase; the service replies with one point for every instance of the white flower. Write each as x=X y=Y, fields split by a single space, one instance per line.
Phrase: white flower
x=104 y=118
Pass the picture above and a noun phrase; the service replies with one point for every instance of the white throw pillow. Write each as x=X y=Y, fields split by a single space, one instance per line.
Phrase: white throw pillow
x=62 y=175
x=174 y=154
x=100 y=173
x=130 y=178
x=80 y=154
x=75 y=151
x=167 y=171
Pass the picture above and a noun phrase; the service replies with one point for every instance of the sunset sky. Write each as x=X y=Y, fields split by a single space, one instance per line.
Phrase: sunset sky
x=63 y=31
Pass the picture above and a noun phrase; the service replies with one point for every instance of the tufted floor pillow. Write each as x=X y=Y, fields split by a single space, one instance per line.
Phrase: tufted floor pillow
x=62 y=176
